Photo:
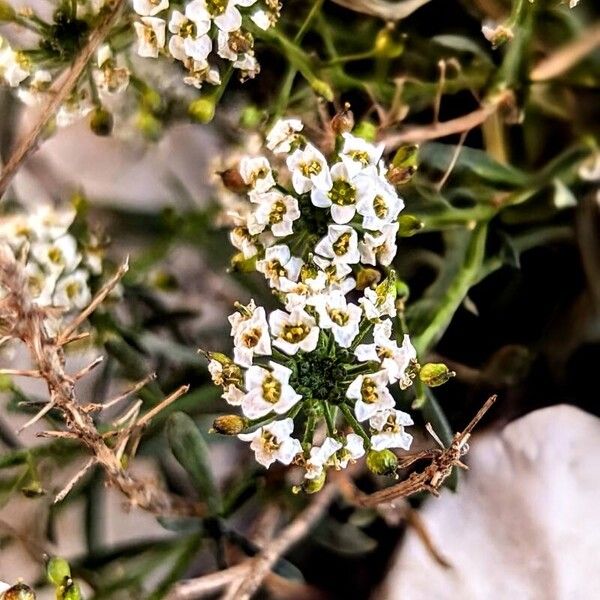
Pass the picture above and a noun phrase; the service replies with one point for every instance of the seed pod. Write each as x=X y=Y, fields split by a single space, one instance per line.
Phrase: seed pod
x=57 y=570
x=233 y=181
x=409 y=225
x=149 y=125
x=388 y=45
x=404 y=165
x=229 y=424
x=435 y=374
x=382 y=462
x=202 y=110
x=19 y=591
x=101 y=122
x=312 y=486
x=343 y=121
x=323 y=89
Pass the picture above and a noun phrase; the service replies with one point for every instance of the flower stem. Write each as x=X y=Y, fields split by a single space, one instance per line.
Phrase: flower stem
x=356 y=426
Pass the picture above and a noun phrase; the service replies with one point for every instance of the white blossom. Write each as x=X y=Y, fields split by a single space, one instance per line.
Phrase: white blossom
x=371 y=394
x=268 y=390
x=151 y=36
x=14 y=66
x=273 y=442
x=186 y=40
x=320 y=456
x=283 y=134
x=353 y=449
x=233 y=395
x=72 y=290
x=389 y=425
x=250 y=333
x=256 y=172
x=379 y=248
x=309 y=169
x=341 y=195
x=341 y=317
x=358 y=154
x=294 y=331
x=223 y=13
x=377 y=202
x=377 y=305
x=149 y=8
x=340 y=245
x=279 y=263
x=58 y=256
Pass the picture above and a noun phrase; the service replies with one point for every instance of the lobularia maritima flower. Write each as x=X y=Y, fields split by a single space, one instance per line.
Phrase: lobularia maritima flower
x=312 y=389
x=202 y=34
x=312 y=222
x=57 y=267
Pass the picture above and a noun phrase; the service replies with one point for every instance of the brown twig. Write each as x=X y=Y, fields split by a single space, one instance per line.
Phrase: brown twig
x=26 y=321
x=59 y=93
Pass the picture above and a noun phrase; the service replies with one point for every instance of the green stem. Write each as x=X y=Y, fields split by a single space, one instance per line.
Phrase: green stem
x=356 y=426
x=466 y=277
x=328 y=418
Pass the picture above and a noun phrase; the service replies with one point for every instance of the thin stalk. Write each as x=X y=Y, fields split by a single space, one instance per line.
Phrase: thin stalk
x=356 y=426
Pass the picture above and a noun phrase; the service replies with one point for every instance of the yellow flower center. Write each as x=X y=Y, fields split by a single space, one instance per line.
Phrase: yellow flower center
x=295 y=333
x=342 y=193
x=339 y=317
x=251 y=337
x=216 y=7
x=312 y=167
x=380 y=207
x=359 y=156
x=342 y=244
x=277 y=213
x=56 y=256
x=271 y=389
x=368 y=391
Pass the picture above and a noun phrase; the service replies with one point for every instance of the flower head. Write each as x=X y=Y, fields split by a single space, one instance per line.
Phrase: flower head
x=273 y=442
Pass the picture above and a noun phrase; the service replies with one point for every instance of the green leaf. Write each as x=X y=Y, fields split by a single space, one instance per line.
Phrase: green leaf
x=192 y=453
x=344 y=538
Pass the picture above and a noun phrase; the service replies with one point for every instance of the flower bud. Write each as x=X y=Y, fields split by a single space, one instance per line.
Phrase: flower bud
x=57 y=570
x=229 y=424
x=367 y=277
x=366 y=130
x=404 y=165
x=72 y=591
x=343 y=121
x=239 y=264
x=387 y=45
x=101 y=122
x=312 y=486
x=202 y=110
x=409 y=225
x=6 y=384
x=149 y=125
x=151 y=100
x=382 y=462
x=233 y=181
x=19 y=591
x=7 y=12
x=435 y=374
x=323 y=89
x=251 y=117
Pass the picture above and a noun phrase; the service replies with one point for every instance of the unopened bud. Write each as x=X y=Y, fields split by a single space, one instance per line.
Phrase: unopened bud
x=312 y=486
x=366 y=130
x=323 y=89
x=382 y=462
x=101 y=122
x=388 y=45
x=343 y=121
x=367 y=277
x=202 y=110
x=251 y=117
x=402 y=291
x=435 y=374
x=57 y=570
x=409 y=225
x=152 y=100
x=71 y=591
x=240 y=264
x=229 y=424
x=232 y=180
x=19 y=591
x=149 y=125
x=404 y=165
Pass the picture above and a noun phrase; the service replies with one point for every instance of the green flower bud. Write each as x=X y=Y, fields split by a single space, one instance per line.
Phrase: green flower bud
x=251 y=117
x=229 y=424
x=366 y=130
x=382 y=462
x=19 y=591
x=202 y=110
x=404 y=165
x=409 y=225
x=367 y=277
x=312 y=486
x=402 y=291
x=435 y=374
x=7 y=12
x=72 y=591
x=387 y=45
x=101 y=122
x=6 y=383
x=57 y=570
x=151 y=100
x=240 y=264
x=149 y=125
x=323 y=89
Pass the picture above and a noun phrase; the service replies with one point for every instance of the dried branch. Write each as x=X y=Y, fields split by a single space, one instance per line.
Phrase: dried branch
x=430 y=479
x=60 y=92
x=26 y=321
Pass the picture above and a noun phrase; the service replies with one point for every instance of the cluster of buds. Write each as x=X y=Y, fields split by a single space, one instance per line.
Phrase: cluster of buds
x=58 y=268
x=202 y=33
x=315 y=382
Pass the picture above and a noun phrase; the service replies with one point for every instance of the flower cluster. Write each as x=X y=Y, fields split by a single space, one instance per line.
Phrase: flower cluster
x=58 y=269
x=203 y=31
x=310 y=223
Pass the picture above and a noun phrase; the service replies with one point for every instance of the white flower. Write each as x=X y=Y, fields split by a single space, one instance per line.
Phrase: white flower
x=233 y=395
x=151 y=36
x=262 y=19
x=77 y=106
x=250 y=334
x=248 y=65
x=268 y=390
x=273 y=442
x=336 y=275
x=294 y=331
x=304 y=291
x=378 y=202
x=282 y=135
x=278 y=211
x=72 y=290
x=58 y=256
x=40 y=284
x=377 y=305
x=244 y=241
x=395 y=360
x=256 y=172
x=353 y=449
x=340 y=245
x=341 y=196
x=149 y=8
x=278 y=263
x=36 y=89
x=187 y=41
x=200 y=72
x=342 y=318
x=49 y=224
x=357 y=154
x=14 y=66
x=371 y=394
x=320 y=456
x=309 y=169
x=223 y=13
x=390 y=427
x=379 y=248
